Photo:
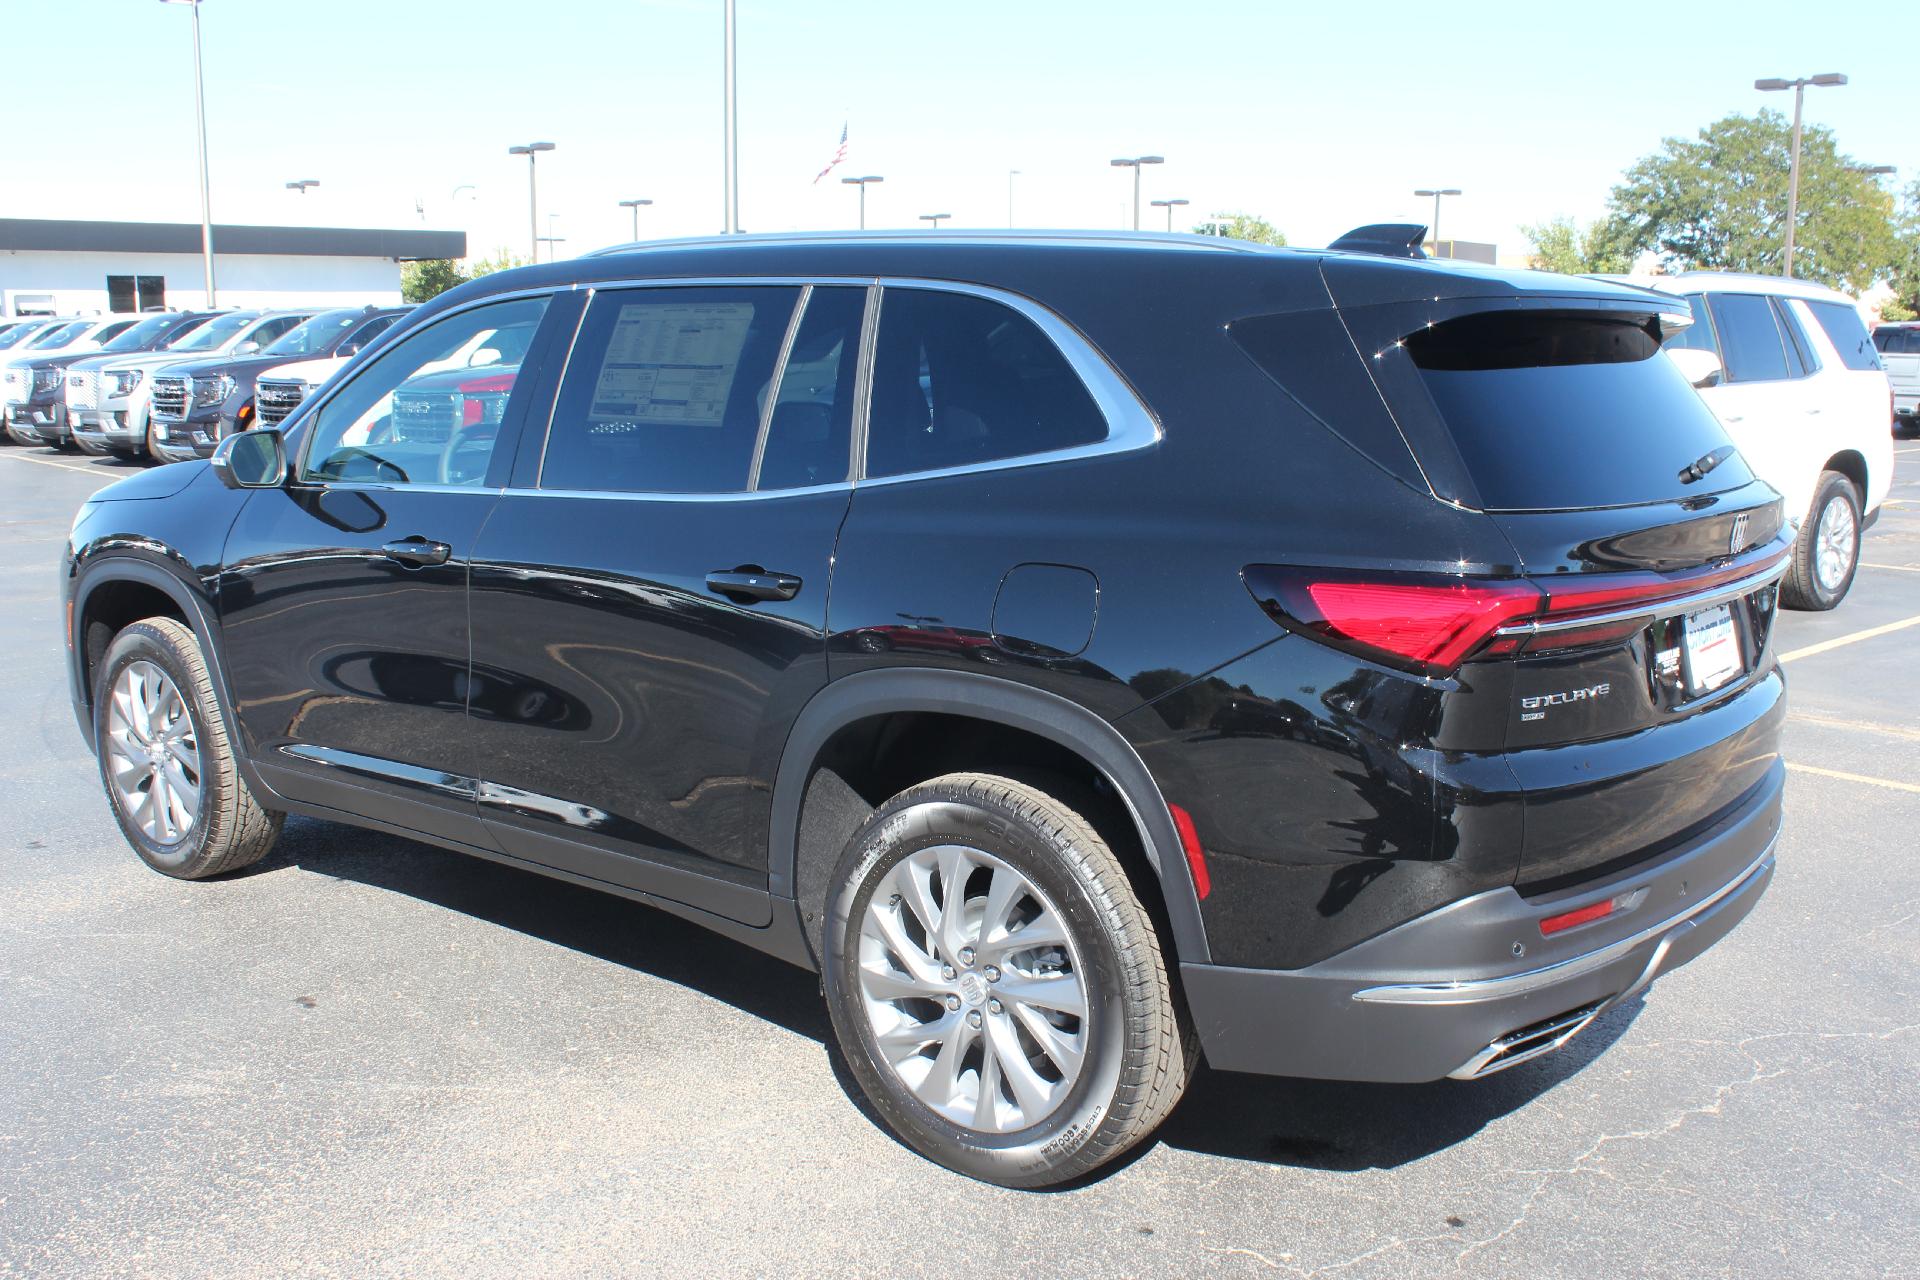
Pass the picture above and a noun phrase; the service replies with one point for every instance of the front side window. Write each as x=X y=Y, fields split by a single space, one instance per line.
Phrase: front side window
x=430 y=408
x=268 y=331
x=665 y=390
x=59 y=337
x=1848 y=333
x=1749 y=337
x=960 y=380
x=368 y=332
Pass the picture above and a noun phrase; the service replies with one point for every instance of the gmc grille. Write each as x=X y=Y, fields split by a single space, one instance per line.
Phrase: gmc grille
x=425 y=418
x=170 y=397
x=273 y=401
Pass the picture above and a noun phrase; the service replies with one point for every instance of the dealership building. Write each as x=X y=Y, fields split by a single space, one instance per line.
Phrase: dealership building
x=51 y=267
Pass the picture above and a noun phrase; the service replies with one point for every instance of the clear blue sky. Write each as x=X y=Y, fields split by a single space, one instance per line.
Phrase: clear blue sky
x=1315 y=116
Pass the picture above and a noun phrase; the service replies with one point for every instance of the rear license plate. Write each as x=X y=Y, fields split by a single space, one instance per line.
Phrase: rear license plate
x=1713 y=650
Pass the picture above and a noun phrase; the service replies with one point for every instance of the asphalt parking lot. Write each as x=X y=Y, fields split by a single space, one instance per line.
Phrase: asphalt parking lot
x=371 y=1057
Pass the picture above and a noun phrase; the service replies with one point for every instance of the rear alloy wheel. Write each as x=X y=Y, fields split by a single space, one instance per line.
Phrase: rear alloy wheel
x=1827 y=553
x=167 y=761
x=996 y=985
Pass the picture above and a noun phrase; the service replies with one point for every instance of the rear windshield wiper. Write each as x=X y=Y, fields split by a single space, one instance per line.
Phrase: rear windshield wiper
x=1706 y=462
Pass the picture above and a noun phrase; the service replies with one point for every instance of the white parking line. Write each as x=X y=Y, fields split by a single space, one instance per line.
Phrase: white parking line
x=1903 y=568
x=1855 y=638
x=1889 y=783
x=82 y=468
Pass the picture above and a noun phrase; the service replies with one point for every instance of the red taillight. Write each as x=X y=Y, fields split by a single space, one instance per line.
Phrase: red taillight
x=1431 y=623
x=1579 y=916
x=1196 y=856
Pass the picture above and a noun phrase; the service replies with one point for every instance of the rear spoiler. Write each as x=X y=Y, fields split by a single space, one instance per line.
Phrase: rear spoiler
x=1389 y=239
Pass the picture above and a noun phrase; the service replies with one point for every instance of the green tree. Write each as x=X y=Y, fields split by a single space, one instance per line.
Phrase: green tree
x=1562 y=245
x=429 y=278
x=1241 y=226
x=1718 y=201
x=1906 y=263
x=500 y=261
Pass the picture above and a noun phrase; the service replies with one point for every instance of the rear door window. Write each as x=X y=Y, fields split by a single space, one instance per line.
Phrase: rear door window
x=1801 y=360
x=1564 y=411
x=1848 y=333
x=1751 y=344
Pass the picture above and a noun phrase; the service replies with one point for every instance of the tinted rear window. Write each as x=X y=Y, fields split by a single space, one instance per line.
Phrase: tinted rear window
x=1557 y=411
x=1897 y=342
x=1848 y=333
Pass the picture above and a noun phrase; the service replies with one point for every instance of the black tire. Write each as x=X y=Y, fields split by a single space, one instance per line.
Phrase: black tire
x=1140 y=1049
x=230 y=828
x=1803 y=588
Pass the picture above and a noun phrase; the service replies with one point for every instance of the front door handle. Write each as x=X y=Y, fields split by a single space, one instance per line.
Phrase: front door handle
x=417 y=552
x=750 y=582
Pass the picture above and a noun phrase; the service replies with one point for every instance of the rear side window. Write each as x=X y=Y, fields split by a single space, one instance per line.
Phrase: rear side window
x=810 y=432
x=1848 y=333
x=1751 y=345
x=1897 y=342
x=1801 y=360
x=1559 y=411
x=665 y=390
x=960 y=380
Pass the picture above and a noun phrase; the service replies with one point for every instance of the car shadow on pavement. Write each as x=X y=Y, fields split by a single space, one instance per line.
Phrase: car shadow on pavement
x=1334 y=1126
x=594 y=923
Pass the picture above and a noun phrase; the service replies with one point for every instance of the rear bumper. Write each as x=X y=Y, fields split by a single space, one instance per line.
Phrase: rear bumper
x=1475 y=987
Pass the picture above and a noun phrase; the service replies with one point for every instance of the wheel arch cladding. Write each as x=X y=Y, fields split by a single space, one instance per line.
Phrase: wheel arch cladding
x=815 y=810
x=114 y=591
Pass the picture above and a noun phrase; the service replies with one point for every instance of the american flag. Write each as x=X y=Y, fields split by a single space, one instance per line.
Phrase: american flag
x=838 y=156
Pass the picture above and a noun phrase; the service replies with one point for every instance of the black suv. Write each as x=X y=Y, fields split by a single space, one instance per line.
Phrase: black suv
x=1087 y=651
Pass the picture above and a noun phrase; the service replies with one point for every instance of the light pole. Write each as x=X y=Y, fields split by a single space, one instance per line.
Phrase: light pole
x=1168 y=206
x=862 y=184
x=302 y=185
x=1436 y=193
x=636 y=206
x=200 y=113
x=531 y=150
x=1873 y=170
x=1011 y=175
x=550 y=239
x=1134 y=164
x=730 y=112
x=1824 y=80
x=934 y=218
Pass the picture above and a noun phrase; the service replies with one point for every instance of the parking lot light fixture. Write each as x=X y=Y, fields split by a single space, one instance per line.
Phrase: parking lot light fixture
x=1168 y=205
x=302 y=185
x=1134 y=164
x=1825 y=80
x=200 y=114
x=636 y=206
x=1436 y=193
x=861 y=183
x=934 y=218
x=530 y=150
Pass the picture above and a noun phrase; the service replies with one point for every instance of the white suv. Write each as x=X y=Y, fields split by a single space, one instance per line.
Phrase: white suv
x=1790 y=372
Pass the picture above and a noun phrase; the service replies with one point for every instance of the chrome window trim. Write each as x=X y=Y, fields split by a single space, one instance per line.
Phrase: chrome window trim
x=863 y=382
x=1476 y=990
x=648 y=495
x=1672 y=605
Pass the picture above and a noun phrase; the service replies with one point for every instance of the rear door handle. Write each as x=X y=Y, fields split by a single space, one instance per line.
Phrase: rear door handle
x=417 y=552
x=751 y=582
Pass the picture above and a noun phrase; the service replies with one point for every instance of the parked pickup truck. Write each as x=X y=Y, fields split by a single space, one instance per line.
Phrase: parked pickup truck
x=1899 y=346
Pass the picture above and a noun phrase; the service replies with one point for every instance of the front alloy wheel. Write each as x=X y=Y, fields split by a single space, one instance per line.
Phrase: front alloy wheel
x=153 y=754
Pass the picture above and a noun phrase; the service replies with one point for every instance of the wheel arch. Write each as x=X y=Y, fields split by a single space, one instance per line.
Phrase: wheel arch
x=1852 y=464
x=103 y=590
x=992 y=702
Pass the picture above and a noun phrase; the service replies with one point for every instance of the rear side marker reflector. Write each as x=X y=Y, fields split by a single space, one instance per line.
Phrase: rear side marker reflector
x=1196 y=856
x=1578 y=916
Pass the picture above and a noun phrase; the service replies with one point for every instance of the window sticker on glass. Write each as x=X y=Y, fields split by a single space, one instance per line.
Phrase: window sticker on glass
x=671 y=363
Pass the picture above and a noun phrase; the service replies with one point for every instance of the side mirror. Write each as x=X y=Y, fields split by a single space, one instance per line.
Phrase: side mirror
x=346 y=349
x=251 y=460
x=1701 y=368
x=485 y=355
x=246 y=348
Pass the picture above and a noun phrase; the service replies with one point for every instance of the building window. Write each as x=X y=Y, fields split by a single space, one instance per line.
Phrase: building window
x=136 y=293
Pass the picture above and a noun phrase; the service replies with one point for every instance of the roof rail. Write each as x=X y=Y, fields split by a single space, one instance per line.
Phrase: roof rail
x=1389 y=239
